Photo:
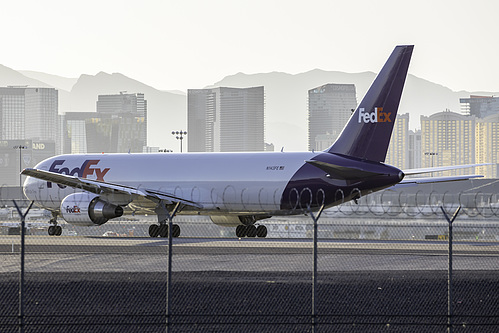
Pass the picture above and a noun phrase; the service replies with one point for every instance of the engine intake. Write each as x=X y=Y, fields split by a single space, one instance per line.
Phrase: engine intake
x=88 y=209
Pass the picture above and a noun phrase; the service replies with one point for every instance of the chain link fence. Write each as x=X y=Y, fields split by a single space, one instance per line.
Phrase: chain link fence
x=381 y=265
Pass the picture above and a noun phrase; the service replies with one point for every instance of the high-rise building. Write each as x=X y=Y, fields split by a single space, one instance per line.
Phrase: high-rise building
x=28 y=113
x=28 y=117
x=414 y=150
x=225 y=119
x=329 y=108
x=118 y=126
x=324 y=141
x=398 y=150
x=123 y=103
x=480 y=106
x=199 y=124
x=487 y=146
x=76 y=133
x=448 y=138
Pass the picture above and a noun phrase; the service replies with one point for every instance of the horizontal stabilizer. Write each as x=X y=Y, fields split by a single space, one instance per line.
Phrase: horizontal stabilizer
x=342 y=172
x=409 y=172
x=431 y=180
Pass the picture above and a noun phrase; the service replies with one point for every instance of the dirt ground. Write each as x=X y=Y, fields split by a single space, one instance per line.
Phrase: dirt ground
x=394 y=301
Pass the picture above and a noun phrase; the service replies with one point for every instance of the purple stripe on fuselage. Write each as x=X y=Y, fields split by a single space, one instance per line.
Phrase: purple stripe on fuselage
x=312 y=186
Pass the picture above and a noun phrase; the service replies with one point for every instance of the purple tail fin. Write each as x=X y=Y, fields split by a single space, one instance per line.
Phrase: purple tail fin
x=368 y=131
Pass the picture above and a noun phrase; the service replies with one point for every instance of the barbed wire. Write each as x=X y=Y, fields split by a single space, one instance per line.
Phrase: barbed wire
x=354 y=202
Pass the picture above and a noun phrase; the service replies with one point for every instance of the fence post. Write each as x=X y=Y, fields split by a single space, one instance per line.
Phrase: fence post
x=21 y=273
x=314 y=273
x=169 y=273
x=449 y=280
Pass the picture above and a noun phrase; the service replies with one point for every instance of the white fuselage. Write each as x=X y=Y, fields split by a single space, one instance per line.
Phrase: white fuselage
x=220 y=182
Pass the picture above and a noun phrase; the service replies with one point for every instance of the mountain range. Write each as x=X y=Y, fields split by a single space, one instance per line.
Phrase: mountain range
x=286 y=98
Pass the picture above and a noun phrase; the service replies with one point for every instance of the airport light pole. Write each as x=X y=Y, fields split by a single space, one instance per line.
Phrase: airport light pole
x=20 y=147
x=432 y=154
x=179 y=136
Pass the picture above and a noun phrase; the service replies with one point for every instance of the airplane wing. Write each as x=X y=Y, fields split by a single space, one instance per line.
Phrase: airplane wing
x=100 y=187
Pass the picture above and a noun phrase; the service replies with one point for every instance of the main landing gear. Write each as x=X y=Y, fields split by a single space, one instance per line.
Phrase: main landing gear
x=251 y=231
x=54 y=230
x=162 y=230
x=164 y=217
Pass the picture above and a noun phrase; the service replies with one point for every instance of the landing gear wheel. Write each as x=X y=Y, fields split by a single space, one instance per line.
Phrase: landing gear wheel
x=58 y=230
x=154 y=230
x=163 y=230
x=51 y=230
x=261 y=231
x=241 y=231
x=251 y=231
x=175 y=230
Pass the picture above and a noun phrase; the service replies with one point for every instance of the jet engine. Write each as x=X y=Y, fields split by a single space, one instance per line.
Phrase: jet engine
x=88 y=209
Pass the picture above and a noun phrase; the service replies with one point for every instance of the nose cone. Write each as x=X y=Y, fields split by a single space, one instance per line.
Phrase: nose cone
x=37 y=190
x=30 y=188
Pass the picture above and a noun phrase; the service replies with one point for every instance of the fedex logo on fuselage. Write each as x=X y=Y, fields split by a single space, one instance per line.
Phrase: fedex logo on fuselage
x=377 y=116
x=84 y=171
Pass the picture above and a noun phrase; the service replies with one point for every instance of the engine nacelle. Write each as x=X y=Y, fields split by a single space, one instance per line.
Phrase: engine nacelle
x=234 y=220
x=226 y=220
x=88 y=209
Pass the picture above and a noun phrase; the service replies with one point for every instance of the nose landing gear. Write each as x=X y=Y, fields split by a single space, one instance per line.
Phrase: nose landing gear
x=54 y=230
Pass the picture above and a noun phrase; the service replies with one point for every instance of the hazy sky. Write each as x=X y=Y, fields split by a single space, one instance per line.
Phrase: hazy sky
x=190 y=44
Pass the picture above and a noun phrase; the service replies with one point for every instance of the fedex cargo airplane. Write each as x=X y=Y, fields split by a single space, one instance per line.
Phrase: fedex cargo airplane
x=234 y=189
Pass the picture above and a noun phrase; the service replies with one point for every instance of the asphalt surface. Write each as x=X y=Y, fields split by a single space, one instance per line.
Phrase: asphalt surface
x=78 y=284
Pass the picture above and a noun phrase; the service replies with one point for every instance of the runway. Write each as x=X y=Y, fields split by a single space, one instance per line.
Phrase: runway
x=123 y=254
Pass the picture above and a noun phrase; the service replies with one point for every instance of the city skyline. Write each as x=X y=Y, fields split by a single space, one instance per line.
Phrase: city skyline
x=453 y=39
x=286 y=100
x=449 y=137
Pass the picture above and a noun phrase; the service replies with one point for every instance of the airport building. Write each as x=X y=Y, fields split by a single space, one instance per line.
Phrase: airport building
x=13 y=159
x=448 y=138
x=329 y=108
x=480 y=106
x=226 y=119
x=118 y=126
